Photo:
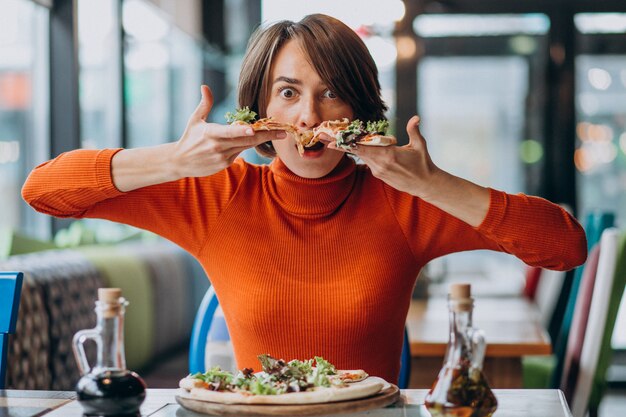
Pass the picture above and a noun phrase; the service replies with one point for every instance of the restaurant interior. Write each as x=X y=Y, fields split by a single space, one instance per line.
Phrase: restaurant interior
x=521 y=96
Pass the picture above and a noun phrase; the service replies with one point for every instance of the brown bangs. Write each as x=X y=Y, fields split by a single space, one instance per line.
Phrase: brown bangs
x=343 y=62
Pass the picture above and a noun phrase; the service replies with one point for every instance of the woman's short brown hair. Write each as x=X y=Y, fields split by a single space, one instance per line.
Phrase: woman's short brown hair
x=336 y=52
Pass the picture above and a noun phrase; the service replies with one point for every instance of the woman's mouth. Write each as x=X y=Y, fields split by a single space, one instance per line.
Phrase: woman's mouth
x=316 y=147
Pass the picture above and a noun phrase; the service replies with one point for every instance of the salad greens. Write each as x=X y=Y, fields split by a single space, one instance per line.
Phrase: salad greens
x=241 y=115
x=357 y=129
x=278 y=377
x=379 y=127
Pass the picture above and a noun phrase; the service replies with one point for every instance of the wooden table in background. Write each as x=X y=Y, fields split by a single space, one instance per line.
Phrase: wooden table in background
x=512 y=329
x=161 y=403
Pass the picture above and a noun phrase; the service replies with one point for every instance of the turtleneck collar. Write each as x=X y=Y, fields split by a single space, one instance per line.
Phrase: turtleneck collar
x=311 y=197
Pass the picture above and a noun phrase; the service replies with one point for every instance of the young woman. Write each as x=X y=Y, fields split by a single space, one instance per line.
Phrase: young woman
x=313 y=254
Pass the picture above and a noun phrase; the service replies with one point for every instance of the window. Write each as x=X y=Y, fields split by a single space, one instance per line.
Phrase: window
x=100 y=73
x=24 y=112
x=479 y=83
x=146 y=69
x=163 y=71
x=601 y=123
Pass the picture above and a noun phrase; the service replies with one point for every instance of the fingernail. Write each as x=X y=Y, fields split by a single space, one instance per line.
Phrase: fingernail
x=249 y=132
x=281 y=135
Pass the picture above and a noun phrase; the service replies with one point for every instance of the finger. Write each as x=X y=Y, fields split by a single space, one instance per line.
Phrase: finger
x=238 y=135
x=415 y=136
x=235 y=151
x=206 y=103
x=334 y=147
x=371 y=153
x=323 y=137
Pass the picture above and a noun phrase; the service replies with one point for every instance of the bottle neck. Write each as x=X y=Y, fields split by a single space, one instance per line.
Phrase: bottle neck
x=111 y=343
x=460 y=343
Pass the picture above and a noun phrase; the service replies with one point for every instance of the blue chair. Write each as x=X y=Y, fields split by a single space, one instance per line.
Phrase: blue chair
x=202 y=326
x=10 y=292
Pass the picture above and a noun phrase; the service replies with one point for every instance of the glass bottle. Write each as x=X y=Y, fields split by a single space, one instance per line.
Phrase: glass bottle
x=108 y=388
x=461 y=389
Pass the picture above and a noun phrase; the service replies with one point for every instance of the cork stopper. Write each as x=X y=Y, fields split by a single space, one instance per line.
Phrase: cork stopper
x=458 y=291
x=461 y=297
x=110 y=301
x=109 y=295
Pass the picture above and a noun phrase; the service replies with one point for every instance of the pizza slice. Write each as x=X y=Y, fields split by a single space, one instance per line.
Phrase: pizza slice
x=245 y=116
x=355 y=375
x=346 y=134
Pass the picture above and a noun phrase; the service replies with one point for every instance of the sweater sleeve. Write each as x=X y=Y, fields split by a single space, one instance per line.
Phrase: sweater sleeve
x=533 y=229
x=78 y=184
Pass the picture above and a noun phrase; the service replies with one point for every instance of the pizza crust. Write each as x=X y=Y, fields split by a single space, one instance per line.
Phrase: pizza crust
x=353 y=375
x=377 y=140
x=362 y=389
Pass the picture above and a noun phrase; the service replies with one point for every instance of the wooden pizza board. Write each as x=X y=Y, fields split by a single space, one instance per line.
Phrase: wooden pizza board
x=382 y=399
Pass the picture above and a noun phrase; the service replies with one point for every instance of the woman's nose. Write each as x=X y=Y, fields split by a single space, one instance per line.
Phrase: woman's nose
x=309 y=114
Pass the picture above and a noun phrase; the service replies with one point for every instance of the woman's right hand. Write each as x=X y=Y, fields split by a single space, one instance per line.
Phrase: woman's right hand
x=207 y=148
x=204 y=149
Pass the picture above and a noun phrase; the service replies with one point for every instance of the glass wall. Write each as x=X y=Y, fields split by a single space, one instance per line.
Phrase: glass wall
x=100 y=73
x=601 y=123
x=163 y=73
x=24 y=109
x=479 y=80
x=146 y=70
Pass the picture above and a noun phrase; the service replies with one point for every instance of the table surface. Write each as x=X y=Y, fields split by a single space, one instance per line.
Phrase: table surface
x=512 y=327
x=161 y=403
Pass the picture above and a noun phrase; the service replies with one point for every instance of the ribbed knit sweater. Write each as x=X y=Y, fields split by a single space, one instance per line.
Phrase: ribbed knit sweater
x=306 y=267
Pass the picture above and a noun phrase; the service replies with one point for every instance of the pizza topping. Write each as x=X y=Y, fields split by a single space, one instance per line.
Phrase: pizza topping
x=358 y=132
x=277 y=377
x=244 y=115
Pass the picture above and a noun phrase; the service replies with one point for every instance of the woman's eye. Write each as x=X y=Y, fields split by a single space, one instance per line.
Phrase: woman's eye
x=287 y=92
x=330 y=94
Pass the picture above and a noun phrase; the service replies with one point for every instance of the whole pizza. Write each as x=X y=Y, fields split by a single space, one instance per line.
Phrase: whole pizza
x=294 y=382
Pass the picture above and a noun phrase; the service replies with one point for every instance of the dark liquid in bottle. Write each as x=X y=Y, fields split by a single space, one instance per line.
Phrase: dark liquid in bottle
x=111 y=393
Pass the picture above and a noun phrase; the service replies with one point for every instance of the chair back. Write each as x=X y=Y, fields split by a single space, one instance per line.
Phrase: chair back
x=574 y=349
x=10 y=292
x=595 y=225
x=548 y=290
x=596 y=351
x=531 y=281
x=202 y=327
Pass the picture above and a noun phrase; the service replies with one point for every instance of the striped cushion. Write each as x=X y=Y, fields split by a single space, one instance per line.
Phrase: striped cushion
x=57 y=301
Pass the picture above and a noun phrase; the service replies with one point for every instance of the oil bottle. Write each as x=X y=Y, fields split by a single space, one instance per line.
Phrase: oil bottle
x=108 y=389
x=461 y=389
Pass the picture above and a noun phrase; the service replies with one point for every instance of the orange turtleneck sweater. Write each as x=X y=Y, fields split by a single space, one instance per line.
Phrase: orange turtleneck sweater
x=306 y=267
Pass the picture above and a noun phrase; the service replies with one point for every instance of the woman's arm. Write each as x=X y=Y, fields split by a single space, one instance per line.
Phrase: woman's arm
x=460 y=215
x=410 y=169
x=204 y=149
x=155 y=188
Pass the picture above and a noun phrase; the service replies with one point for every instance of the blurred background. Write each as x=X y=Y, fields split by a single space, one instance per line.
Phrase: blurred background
x=524 y=96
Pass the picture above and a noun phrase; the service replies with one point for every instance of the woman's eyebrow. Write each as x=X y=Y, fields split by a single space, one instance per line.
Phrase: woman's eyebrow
x=287 y=80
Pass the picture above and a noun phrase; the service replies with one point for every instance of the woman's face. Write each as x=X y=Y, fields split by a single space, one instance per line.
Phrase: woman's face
x=299 y=96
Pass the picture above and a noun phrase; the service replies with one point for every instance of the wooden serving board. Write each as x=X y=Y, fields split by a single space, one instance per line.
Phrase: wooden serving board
x=382 y=399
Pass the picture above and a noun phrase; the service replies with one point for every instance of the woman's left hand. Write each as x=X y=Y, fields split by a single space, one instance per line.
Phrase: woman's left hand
x=407 y=168
x=410 y=169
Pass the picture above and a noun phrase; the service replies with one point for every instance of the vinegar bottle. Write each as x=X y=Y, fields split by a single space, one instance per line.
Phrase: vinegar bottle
x=461 y=389
x=108 y=389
